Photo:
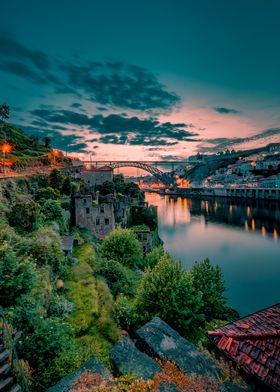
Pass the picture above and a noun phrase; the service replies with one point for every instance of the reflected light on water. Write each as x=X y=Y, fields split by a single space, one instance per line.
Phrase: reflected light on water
x=245 y=247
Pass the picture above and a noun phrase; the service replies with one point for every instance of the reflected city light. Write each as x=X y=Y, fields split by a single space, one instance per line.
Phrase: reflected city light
x=263 y=231
x=246 y=225
x=275 y=234
x=253 y=225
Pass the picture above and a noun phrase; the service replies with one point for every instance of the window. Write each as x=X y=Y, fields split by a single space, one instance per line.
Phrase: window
x=85 y=200
x=102 y=210
x=145 y=237
x=87 y=210
x=97 y=221
x=106 y=221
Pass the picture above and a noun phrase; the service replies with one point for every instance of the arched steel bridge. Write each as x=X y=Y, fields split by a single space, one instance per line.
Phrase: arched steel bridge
x=166 y=178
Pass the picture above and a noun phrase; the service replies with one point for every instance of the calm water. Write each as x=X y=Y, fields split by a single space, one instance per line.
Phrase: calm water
x=242 y=237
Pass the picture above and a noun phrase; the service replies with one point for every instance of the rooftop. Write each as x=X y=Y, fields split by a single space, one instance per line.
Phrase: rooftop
x=254 y=343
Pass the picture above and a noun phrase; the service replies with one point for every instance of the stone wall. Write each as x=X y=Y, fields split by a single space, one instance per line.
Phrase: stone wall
x=98 y=218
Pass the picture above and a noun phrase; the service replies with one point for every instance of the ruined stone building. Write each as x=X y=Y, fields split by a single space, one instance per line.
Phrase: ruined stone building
x=96 y=176
x=145 y=237
x=122 y=209
x=99 y=219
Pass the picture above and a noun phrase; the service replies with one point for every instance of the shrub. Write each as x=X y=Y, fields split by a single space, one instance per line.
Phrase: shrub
x=47 y=193
x=18 y=276
x=49 y=339
x=46 y=249
x=26 y=216
x=124 y=312
x=152 y=258
x=167 y=291
x=52 y=210
x=119 y=278
x=122 y=245
x=56 y=179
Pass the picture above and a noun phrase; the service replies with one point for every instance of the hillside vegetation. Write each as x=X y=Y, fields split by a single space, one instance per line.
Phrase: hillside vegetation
x=23 y=146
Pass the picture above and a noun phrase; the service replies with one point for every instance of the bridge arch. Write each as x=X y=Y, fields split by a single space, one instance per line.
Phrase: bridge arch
x=165 y=178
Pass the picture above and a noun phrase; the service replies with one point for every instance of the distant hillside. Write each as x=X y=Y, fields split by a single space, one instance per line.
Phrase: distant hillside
x=23 y=146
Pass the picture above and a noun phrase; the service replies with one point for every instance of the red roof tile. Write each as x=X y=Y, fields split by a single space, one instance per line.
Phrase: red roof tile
x=254 y=343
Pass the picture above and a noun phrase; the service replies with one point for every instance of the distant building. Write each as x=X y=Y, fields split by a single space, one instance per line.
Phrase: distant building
x=98 y=218
x=253 y=342
x=145 y=237
x=271 y=182
x=122 y=209
x=274 y=147
x=67 y=243
x=96 y=176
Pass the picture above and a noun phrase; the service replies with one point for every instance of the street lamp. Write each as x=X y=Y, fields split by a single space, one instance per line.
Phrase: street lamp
x=6 y=148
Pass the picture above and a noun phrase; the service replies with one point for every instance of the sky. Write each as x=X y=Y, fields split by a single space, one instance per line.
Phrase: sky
x=149 y=79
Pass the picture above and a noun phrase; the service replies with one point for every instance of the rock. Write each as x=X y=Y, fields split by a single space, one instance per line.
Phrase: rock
x=158 y=339
x=228 y=387
x=92 y=365
x=126 y=359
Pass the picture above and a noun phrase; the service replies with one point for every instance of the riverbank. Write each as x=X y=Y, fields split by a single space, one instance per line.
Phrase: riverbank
x=240 y=235
x=246 y=193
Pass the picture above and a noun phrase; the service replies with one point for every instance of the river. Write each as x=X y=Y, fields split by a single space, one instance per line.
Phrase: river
x=240 y=236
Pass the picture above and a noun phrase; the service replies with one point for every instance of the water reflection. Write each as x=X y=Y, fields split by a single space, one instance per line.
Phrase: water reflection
x=240 y=236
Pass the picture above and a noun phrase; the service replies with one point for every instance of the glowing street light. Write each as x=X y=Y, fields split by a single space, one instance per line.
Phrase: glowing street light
x=6 y=148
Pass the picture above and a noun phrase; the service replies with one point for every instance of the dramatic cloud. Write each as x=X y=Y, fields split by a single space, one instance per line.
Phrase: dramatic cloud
x=10 y=48
x=223 y=110
x=66 y=142
x=117 y=129
x=109 y=84
x=220 y=144
x=120 y=85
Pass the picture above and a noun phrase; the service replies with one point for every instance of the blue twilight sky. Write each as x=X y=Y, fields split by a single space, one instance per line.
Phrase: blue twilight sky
x=149 y=78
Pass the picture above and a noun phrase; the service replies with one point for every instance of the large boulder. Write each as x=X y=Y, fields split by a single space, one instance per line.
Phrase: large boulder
x=125 y=358
x=94 y=366
x=159 y=340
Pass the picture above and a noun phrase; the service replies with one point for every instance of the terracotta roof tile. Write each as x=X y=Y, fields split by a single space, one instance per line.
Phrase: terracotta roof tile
x=254 y=343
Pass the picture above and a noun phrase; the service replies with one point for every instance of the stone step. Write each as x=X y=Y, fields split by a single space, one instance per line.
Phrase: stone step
x=159 y=340
x=4 y=356
x=126 y=359
x=15 y=388
x=6 y=384
x=5 y=369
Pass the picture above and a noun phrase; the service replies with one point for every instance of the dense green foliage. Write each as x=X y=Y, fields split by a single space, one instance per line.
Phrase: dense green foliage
x=208 y=279
x=122 y=245
x=70 y=309
x=119 y=278
x=26 y=216
x=167 y=291
x=47 y=193
x=17 y=275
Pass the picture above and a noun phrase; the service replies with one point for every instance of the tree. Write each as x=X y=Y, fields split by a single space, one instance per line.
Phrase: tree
x=67 y=186
x=46 y=249
x=52 y=210
x=107 y=188
x=167 y=291
x=119 y=278
x=47 y=142
x=4 y=112
x=122 y=245
x=208 y=279
x=26 y=216
x=49 y=338
x=18 y=276
x=47 y=193
x=56 y=179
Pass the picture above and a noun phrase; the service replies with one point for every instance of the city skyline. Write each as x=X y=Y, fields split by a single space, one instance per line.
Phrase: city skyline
x=150 y=80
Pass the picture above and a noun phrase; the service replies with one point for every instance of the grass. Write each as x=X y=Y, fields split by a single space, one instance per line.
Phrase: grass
x=95 y=331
